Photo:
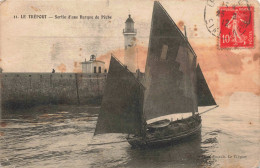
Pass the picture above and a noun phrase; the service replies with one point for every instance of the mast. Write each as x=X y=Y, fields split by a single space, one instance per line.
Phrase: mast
x=190 y=74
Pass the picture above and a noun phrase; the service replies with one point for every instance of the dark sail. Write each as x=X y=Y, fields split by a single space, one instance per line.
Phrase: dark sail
x=188 y=62
x=205 y=97
x=170 y=69
x=121 y=108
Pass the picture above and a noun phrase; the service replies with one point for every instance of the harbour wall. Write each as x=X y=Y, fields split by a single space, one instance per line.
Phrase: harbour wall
x=20 y=90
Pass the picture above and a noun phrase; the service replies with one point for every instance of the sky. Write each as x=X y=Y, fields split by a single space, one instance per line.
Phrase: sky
x=39 y=45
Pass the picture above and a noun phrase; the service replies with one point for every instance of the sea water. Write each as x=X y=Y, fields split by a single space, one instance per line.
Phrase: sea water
x=62 y=136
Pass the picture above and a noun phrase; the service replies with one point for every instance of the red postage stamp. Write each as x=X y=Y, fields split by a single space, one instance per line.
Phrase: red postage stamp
x=236 y=27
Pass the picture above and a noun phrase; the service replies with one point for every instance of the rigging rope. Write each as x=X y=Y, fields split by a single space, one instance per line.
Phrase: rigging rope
x=209 y=109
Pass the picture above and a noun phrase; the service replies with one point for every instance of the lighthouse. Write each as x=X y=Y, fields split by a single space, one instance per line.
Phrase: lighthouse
x=130 y=59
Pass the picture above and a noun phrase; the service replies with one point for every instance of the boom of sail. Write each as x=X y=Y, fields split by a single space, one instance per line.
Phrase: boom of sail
x=121 y=108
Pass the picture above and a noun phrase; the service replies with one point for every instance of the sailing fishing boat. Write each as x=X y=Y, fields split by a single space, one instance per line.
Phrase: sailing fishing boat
x=174 y=84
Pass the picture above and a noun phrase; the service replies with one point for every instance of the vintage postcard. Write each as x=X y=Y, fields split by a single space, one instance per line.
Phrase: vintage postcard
x=129 y=84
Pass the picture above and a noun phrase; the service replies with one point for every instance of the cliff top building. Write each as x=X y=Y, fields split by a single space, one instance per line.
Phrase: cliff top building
x=93 y=66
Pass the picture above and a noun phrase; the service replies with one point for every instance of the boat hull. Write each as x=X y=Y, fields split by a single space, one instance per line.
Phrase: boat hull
x=155 y=140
